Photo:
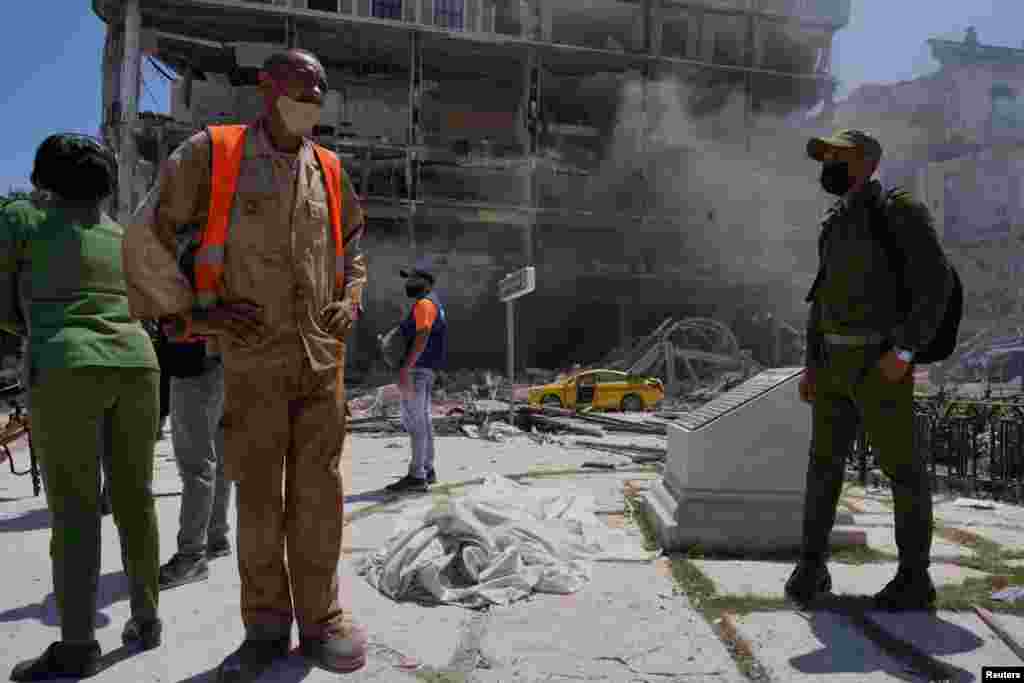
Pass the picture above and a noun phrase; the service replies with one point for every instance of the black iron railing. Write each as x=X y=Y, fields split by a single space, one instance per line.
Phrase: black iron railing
x=971 y=446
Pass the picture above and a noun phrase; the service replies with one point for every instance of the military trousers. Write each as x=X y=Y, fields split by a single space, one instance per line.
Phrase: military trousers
x=77 y=414
x=851 y=390
x=284 y=430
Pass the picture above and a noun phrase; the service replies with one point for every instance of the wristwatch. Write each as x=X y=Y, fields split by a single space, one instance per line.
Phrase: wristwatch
x=904 y=355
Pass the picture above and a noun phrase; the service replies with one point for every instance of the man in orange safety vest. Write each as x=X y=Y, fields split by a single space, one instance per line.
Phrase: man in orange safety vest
x=278 y=277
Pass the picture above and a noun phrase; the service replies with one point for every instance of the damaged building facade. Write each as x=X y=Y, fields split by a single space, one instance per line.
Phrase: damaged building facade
x=958 y=141
x=487 y=135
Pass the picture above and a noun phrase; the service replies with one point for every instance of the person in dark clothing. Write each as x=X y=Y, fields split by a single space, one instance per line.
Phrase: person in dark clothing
x=861 y=342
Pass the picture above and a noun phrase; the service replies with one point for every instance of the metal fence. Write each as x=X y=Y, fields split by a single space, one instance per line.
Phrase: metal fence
x=972 y=447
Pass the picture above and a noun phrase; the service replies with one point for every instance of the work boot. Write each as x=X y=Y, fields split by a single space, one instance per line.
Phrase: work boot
x=61 y=660
x=145 y=634
x=218 y=549
x=339 y=653
x=809 y=579
x=182 y=569
x=408 y=484
x=909 y=590
x=252 y=660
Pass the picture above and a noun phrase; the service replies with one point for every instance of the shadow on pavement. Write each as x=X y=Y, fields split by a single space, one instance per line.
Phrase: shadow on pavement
x=292 y=670
x=843 y=642
x=112 y=588
x=375 y=496
x=33 y=520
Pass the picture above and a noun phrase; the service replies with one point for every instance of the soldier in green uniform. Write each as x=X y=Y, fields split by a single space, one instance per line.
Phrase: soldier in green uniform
x=861 y=340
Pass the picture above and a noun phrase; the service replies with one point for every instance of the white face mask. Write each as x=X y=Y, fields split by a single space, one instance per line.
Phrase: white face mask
x=298 y=117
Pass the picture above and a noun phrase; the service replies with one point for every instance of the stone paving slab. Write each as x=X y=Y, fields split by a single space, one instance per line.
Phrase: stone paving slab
x=1015 y=626
x=202 y=621
x=1009 y=538
x=883 y=538
x=868 y=506
x=1003 y=514
x=823 y=647
x=625 y=625
x=767 y=579
x=961 y=640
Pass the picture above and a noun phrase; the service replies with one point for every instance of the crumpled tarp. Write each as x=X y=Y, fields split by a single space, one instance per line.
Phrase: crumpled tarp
x=524 y=539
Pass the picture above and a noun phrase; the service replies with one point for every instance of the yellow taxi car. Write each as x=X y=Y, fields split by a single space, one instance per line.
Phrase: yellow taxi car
x=601 y=389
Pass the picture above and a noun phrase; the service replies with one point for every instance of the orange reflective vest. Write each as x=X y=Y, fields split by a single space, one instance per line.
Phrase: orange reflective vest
x=228 y=146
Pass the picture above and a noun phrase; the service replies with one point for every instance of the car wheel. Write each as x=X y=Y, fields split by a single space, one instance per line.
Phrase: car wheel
x=632 y=404
x=551 y=400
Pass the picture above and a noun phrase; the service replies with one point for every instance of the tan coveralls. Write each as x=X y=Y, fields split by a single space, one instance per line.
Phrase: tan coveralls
x=284 y=415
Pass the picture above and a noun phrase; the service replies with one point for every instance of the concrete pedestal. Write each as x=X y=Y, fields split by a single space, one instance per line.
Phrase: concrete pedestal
x=735 y=474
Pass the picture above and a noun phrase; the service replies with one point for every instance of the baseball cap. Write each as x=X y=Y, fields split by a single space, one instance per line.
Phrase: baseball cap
x=821 y=149
x=422 y=272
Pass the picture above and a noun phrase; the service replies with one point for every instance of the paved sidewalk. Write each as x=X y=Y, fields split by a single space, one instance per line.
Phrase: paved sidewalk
x=636 y=621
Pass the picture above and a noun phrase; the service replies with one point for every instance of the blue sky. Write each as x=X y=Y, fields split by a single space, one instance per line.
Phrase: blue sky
x=51 y=60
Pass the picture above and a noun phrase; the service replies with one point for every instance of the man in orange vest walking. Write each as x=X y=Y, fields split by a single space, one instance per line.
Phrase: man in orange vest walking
x=278 y=279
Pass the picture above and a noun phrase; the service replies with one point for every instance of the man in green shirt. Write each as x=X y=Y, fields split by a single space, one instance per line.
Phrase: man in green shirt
x=862 y=334
x=94 y=381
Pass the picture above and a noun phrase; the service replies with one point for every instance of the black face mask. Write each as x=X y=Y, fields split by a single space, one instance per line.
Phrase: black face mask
x=414 y=291
x=835 y=178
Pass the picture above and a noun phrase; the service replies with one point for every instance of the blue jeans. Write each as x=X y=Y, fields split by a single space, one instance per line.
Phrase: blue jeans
x=197 y=406
x=416 y=420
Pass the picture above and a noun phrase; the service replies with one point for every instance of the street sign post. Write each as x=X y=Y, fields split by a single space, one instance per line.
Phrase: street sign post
x=510 y=288
x=517 y=284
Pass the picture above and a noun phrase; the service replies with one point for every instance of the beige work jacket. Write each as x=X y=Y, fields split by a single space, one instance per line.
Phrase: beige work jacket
x=280 y=249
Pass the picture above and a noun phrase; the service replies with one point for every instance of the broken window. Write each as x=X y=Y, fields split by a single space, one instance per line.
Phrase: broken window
x=601 y=24
x=449 y=14
x=675 y=38
x=387 y=9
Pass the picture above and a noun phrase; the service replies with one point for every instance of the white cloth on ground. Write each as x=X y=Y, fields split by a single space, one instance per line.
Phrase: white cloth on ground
x=528 y=539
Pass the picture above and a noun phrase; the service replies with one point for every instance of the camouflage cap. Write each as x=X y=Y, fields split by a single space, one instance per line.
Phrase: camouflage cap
x=824 y=149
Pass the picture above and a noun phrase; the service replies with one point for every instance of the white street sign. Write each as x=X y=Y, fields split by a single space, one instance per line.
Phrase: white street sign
x=517 y=284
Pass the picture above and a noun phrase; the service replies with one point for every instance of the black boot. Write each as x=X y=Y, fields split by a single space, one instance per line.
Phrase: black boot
x=252 y=660
x=909 y=590
x=182 y=569
x=145 y=634
x=61 y=660
x=809 y=579
x=408 y=484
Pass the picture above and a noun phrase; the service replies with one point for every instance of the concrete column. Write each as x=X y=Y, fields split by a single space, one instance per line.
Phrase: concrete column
x=130 y=74
x=414 y=136
x=291 y=33
x=547 y=19
x=111 y=99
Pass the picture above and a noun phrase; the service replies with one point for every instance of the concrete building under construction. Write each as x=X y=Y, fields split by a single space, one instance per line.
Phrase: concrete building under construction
x=487 y=135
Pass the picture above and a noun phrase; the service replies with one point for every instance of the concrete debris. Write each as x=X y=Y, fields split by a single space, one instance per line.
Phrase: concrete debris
x=638 y=454
x=705 y=350
x=975 y=504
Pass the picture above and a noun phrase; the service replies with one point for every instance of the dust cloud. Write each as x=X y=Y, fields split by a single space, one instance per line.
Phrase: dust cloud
x=746 y=195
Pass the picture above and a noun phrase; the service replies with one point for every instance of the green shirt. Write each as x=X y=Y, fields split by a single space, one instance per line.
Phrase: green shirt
x=65 y=276
x=857 y=293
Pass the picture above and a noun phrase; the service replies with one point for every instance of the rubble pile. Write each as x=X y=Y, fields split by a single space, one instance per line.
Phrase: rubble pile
x=695 y=357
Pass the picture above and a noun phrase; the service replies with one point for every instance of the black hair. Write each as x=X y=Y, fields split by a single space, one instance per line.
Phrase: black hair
x=75 y=167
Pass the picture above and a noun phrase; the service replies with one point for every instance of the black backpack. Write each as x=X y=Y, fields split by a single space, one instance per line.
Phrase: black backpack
x=945 y=341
